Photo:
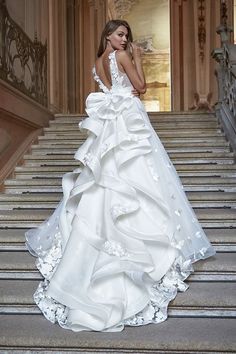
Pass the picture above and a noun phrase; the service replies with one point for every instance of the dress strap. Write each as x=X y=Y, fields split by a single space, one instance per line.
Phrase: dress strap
x=114 y=68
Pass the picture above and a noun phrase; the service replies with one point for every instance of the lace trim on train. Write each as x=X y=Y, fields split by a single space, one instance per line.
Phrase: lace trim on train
x=161 y=293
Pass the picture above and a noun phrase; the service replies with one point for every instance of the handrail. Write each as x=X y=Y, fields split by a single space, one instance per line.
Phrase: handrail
x=226 y=78
x=23 y=62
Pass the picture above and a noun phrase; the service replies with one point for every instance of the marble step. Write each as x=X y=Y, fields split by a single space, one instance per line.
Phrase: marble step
x=173 y=133
x=166 y=125
x=57 y=189
x=221 y=267
x=202 y=214
x=220 y=236
x=65 y=154
x=41 y=172
x=216 y=169
x=46 y=203
x=192 y=196
x=177 y=335
x=169 y=125
x=74 y=138
x=185 y=180
x=170 y=146
x=202 y=299
x=192 y=156
x=25 y=174
x=40 y=149
x=55 y=140
x=159 y=117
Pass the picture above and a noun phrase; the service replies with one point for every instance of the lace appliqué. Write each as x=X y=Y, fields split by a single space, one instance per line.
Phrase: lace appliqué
x=161 y=293
x=47 y=264
x=114 y=248
x=52 y=310
x=116 y=78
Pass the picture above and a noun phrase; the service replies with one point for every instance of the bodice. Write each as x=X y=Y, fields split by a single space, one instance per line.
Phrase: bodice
x=119 y=79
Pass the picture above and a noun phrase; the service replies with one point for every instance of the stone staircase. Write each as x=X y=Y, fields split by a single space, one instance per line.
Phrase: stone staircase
x=201 y=320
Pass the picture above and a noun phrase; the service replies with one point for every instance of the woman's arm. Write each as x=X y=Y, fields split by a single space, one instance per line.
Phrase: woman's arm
x=133 y=69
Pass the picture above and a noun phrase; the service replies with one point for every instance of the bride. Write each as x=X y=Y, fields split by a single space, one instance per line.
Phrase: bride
x=123 y=238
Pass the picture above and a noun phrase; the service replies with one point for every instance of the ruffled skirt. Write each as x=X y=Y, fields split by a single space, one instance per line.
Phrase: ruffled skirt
x=124 y=237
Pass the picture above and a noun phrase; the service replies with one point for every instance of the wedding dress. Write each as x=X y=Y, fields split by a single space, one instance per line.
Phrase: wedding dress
x=122 y=240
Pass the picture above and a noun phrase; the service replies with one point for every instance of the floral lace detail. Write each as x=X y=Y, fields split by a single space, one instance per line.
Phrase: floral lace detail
x=114 y=248
x=116 y=78
x=52 y=310
x=47 y=264
x=161 y=293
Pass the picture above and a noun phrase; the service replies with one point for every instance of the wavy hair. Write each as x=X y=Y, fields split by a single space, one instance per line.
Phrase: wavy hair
x=110 y=27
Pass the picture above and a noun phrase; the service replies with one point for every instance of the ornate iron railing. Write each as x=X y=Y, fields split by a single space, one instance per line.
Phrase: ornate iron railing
x=23 y=62
x=226 y=78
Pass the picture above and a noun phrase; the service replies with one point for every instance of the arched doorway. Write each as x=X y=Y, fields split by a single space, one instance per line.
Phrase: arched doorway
x=150 y=23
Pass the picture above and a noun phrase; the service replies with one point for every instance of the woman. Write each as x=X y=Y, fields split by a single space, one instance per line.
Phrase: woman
x=124 y=236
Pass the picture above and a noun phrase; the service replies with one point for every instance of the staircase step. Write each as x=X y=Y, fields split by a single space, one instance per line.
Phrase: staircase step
x=188 y=133
x=185 y=180
x=167 y=125
x=57 y=189
x=79 y=137
x=220 y=235
x=169 y=144
x=160 y=117
x=41 y=149
x=201 y=299
x=214 y=169
x=24 y=174
x=223 y=240
x=27 y=331
x=175 y=155
x=40 y=215
x=221 y=267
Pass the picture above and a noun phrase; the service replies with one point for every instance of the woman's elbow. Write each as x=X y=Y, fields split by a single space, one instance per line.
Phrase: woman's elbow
x=143 y=89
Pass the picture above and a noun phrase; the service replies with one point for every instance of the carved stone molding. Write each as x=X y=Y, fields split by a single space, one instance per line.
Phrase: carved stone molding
x=201 y=28
x=120 y=8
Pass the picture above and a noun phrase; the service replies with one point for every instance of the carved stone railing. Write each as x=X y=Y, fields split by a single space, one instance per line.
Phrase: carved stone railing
x=226 y=78
x=23 y=62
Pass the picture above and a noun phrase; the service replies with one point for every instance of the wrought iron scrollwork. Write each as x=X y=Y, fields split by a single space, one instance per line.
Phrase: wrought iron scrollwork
x=23 y=62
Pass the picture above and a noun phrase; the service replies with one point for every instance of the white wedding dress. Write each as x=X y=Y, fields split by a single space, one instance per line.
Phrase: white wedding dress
x=122 y=240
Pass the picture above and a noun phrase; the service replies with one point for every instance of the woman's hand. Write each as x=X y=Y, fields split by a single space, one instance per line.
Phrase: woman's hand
x=136 y=51
x=136 y=93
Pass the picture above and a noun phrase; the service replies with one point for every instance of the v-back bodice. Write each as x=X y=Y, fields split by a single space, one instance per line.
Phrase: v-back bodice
x=119 y=80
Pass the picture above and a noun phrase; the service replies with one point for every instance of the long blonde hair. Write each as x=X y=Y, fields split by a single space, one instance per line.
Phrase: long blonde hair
x=110 y=27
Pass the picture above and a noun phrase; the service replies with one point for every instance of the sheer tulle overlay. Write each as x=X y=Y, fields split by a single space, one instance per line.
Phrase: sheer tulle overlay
x=123 y=239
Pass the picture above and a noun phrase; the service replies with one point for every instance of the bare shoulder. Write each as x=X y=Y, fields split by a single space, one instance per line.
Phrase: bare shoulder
x=123 y=55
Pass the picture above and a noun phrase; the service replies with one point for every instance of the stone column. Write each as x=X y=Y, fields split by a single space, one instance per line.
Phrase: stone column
x=57 y=56
x=193 y=37
x=90 y=18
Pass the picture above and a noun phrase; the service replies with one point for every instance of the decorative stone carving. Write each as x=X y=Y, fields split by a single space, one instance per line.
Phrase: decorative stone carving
x=120 y=8
x=201 y=28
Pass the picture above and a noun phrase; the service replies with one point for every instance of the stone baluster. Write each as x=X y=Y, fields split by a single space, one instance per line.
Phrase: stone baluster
x=226 y=79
